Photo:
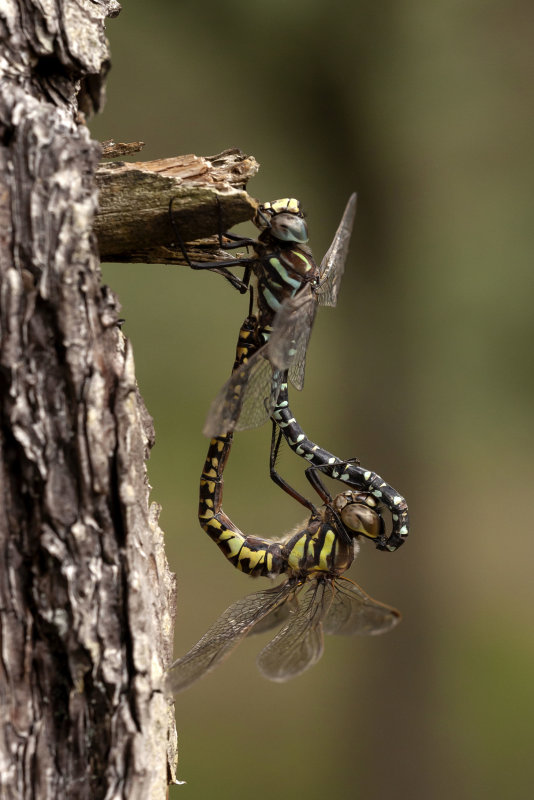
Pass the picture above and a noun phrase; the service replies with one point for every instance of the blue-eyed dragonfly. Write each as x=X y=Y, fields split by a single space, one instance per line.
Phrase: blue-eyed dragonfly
x=288 y=286
x=274 y=338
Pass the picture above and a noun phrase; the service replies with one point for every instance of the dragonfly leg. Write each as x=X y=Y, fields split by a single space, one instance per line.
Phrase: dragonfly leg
x=219 y=267
x=276 y=437
x=313 y=477
x=235 y=241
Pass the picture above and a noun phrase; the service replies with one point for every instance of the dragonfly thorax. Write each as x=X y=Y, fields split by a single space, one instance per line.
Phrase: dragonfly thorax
x=319 y=547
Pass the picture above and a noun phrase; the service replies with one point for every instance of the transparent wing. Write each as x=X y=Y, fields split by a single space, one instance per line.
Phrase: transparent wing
x=299 y=645
x=276 y=617
x=246 y=399
x=352 y=611
x=333 y=264
x=225 y=634
x=289 y=339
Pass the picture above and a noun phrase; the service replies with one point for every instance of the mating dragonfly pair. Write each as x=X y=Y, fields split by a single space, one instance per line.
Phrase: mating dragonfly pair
x=271 y=351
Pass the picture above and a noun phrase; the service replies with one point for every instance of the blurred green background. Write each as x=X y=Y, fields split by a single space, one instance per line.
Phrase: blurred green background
x=424 y=371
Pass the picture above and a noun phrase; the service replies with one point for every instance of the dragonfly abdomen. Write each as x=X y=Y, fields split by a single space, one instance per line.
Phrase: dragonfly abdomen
x=350 y=473
x=249 y=554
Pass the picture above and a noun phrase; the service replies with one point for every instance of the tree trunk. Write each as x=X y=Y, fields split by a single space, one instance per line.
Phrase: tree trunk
x=87 y=600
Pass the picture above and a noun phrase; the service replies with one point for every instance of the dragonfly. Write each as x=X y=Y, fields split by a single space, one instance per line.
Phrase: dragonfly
x=287 y=288
x=314 y=599
x=273 y=340
x=349 y=472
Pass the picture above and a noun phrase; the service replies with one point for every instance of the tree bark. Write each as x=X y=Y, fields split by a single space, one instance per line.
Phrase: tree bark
x=87 y=600
x=133 y=223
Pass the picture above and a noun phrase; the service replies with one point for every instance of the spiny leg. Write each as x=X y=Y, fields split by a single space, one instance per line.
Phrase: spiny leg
x=235 y=241
x=277 y=478
x=311 y=474
x=219 y=267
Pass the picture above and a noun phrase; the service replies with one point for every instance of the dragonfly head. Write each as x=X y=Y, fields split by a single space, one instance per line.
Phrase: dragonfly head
x=284 y=220
x=359 y=513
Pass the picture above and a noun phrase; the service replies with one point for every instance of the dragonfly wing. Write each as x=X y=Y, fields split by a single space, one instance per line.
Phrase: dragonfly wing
x=246 y=399
x=224 y=635
x=276 y=617
x=333 y=264
x=291 y=333
x=352 y=611
x=299 y=645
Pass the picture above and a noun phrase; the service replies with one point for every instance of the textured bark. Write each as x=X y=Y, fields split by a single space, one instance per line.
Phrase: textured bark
x=112 y=149
x=87 y=601
x=133 y=223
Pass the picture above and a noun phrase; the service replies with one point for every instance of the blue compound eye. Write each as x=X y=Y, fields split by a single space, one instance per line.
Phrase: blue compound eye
x=289 y=228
